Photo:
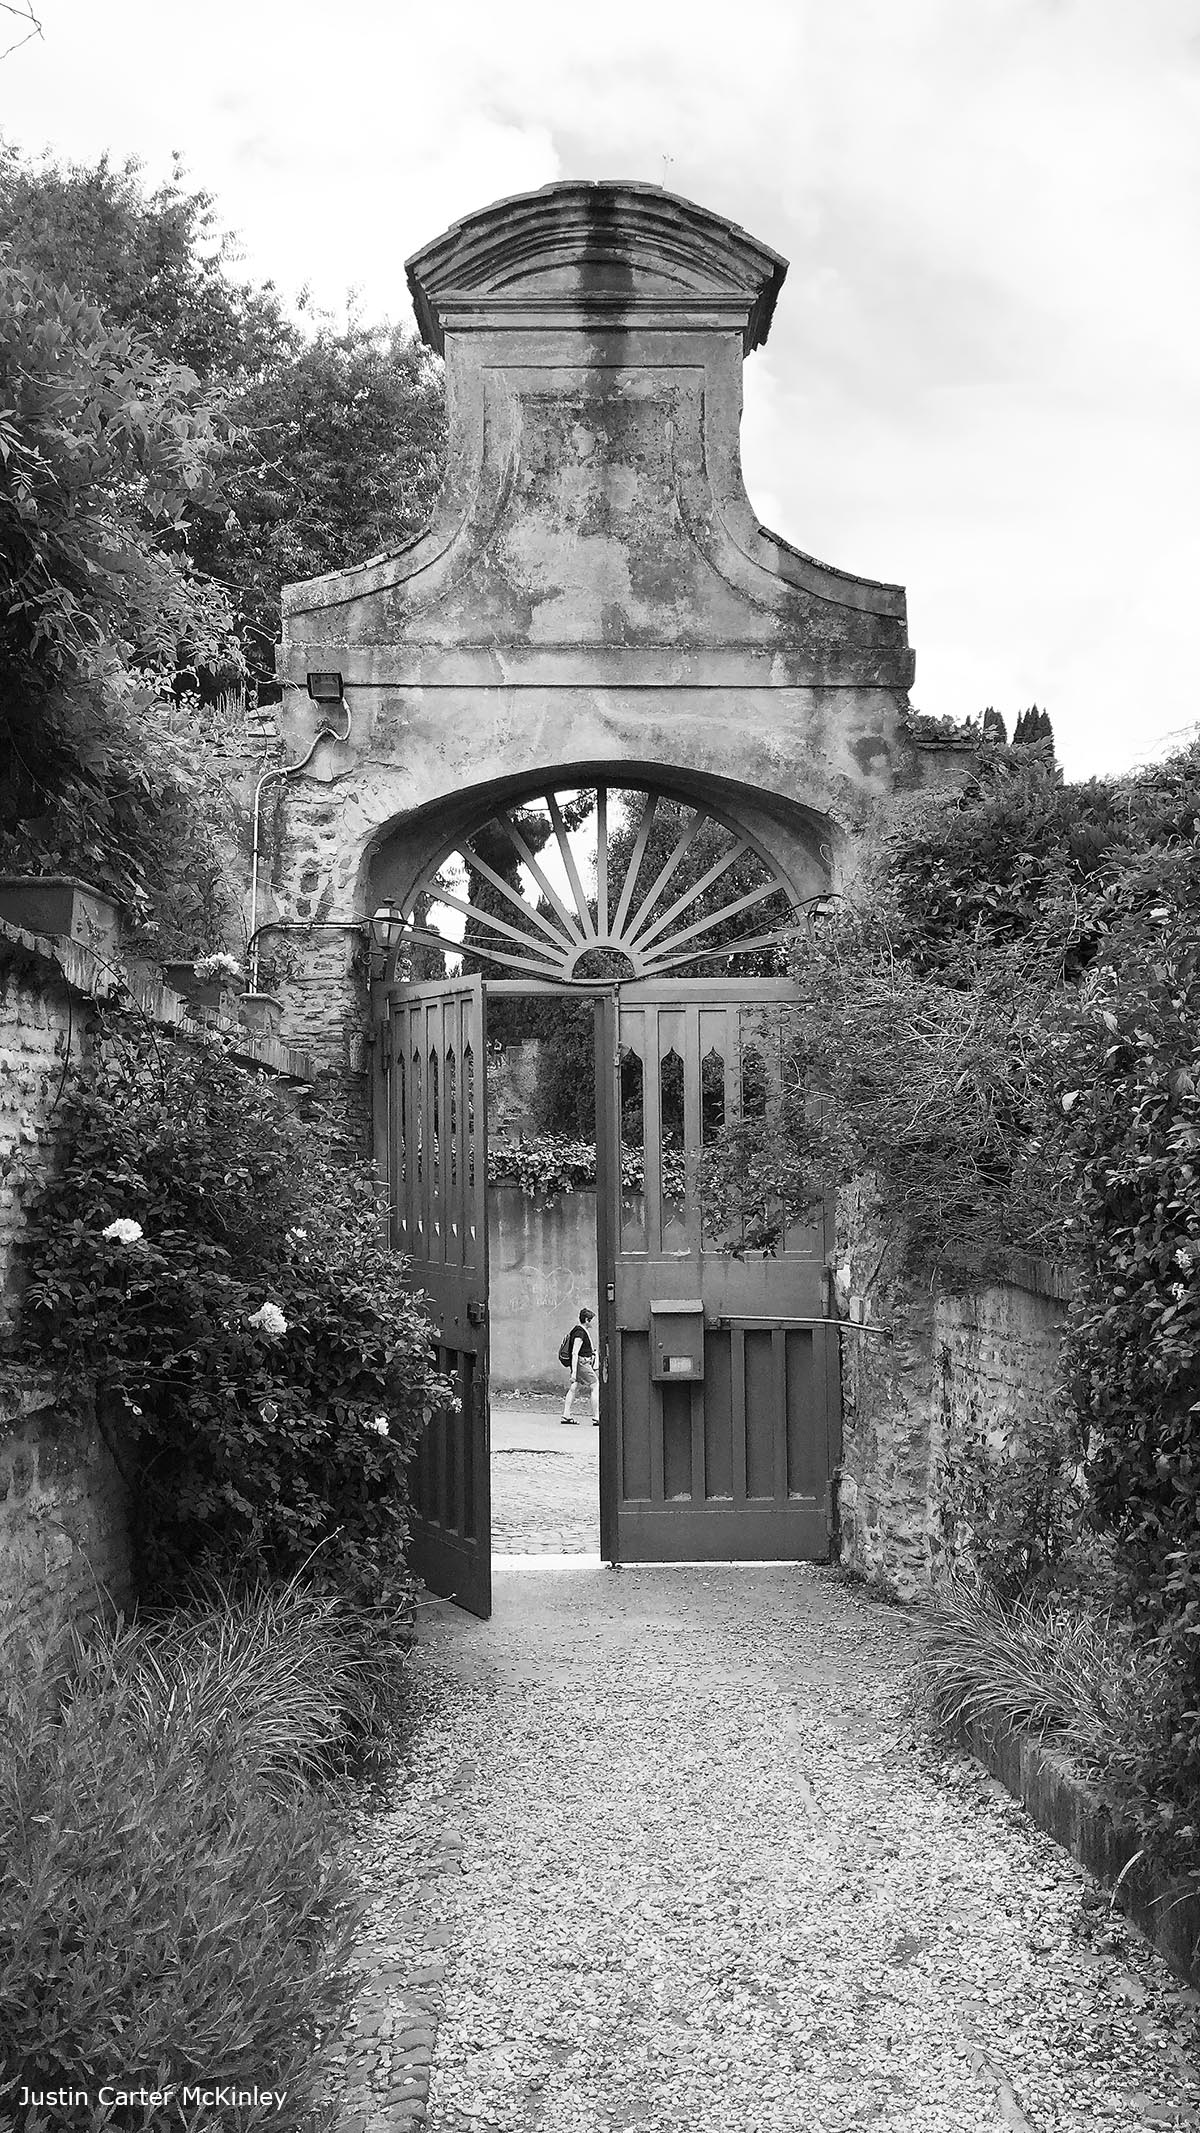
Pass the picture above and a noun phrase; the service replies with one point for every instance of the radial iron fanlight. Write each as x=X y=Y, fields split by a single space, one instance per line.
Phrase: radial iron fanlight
x=677 y=890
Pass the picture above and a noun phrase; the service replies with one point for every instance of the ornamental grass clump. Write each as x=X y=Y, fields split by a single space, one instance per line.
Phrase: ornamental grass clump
x=170 y=1909
x=1040 y=1665
x=309 y=1683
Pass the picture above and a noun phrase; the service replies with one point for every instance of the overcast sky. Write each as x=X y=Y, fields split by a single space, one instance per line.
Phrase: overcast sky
x=983 y=380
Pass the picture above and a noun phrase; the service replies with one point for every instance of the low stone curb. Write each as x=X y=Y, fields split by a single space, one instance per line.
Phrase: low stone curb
x=380 y=2067
x=1076 y=1814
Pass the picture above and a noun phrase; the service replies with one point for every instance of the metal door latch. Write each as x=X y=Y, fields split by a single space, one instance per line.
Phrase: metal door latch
x=476 y=1312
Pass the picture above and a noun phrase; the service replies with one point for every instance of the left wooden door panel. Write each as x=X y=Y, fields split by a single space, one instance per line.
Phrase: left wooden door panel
x=437 y=1160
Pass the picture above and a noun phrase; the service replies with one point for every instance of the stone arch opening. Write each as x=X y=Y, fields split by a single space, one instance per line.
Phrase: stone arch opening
x=595 y=872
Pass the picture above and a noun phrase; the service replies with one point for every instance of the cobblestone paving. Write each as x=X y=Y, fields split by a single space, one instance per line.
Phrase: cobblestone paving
x=712 y=1878
x=545 y=1480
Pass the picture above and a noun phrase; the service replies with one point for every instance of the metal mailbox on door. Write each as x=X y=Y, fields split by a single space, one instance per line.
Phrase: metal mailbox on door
x=677 y=1340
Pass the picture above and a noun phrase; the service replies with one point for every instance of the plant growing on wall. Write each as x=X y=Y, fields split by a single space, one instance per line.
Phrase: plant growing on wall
x=546 y=1163
x=1133 y=1117
x=212 y=1268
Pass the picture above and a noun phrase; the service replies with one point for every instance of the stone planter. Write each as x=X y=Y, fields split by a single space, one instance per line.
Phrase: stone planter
x=209 y=999
x=58 y=906
x=260 y=1013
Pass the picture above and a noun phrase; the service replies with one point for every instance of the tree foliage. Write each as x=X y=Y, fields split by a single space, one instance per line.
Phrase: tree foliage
x=337 y=455
x=172 y=448
x=156 y=263
x=104 y=450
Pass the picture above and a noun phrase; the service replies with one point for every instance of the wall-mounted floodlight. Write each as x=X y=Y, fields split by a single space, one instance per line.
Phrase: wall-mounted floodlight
x=325 y=688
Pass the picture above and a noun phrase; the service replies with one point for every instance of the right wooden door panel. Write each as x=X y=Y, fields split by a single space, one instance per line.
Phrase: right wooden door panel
x=733 y=1462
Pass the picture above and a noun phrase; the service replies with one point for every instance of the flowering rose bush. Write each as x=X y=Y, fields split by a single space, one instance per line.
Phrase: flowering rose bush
x=243 y=1371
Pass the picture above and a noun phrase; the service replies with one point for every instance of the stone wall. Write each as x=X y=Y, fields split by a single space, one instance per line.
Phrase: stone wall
x=930 y=1372
x=64 y=1547
x=37 y=1028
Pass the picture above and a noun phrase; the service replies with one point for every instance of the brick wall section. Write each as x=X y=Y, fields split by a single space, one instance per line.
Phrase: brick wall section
x=37 y=1022
x=963 y=1363
x=64 y=1547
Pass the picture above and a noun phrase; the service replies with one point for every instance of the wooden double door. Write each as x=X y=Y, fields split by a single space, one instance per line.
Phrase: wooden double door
x=718 y=1362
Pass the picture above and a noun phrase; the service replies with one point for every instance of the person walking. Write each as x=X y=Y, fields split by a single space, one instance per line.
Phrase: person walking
x=582 y=1367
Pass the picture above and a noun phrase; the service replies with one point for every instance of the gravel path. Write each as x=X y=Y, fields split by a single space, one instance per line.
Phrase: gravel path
x=711 y=1878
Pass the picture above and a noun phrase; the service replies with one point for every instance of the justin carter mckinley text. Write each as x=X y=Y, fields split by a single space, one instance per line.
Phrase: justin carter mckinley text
x=110 y=2093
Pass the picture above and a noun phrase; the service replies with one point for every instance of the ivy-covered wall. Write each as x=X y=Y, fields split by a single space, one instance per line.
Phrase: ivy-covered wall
x=937 y=1389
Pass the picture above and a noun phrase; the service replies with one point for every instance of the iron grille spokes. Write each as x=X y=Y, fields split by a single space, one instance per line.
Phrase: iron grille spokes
x=674 y=890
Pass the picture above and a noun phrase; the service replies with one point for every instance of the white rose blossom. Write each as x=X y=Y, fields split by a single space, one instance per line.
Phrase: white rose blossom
x=379 y=1424
x=218 y=965
x=123 y=1231
x=269 y=1319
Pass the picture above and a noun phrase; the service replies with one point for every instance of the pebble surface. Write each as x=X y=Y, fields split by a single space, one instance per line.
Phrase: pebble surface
x=671 y=1851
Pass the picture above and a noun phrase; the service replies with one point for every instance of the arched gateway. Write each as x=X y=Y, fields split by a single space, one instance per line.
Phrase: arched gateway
x=595 y=621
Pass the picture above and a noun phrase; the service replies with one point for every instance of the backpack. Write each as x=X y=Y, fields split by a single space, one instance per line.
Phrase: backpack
x=564 y=1349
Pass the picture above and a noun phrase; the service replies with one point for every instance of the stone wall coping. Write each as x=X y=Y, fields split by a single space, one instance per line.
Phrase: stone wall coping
x=93 y=977
x=1017 y=1270
x=1076 y=1813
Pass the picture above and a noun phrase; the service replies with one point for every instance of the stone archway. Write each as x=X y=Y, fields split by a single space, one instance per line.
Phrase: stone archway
x=596 y=601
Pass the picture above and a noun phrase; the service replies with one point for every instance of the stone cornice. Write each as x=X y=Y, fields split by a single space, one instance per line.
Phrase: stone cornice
x=607 y=253
x=590 y=667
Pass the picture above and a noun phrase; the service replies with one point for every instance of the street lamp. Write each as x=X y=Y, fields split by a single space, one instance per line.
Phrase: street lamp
x=386 y=929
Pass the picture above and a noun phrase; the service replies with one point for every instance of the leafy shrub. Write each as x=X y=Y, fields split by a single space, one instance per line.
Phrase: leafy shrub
x=935 y=1084
x=545 y=1163
x=1016 y=1511
x=169 y=1909
x=214 y=1269
x=1134 y=1337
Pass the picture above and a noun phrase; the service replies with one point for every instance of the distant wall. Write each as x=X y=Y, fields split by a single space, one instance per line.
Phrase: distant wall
x=543 y=1266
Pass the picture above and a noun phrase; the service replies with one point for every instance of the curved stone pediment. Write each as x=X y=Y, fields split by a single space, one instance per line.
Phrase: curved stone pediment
x=608 y=248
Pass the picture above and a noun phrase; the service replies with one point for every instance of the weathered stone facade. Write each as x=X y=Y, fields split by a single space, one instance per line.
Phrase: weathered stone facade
x=595 y=592
x=935 y=1371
